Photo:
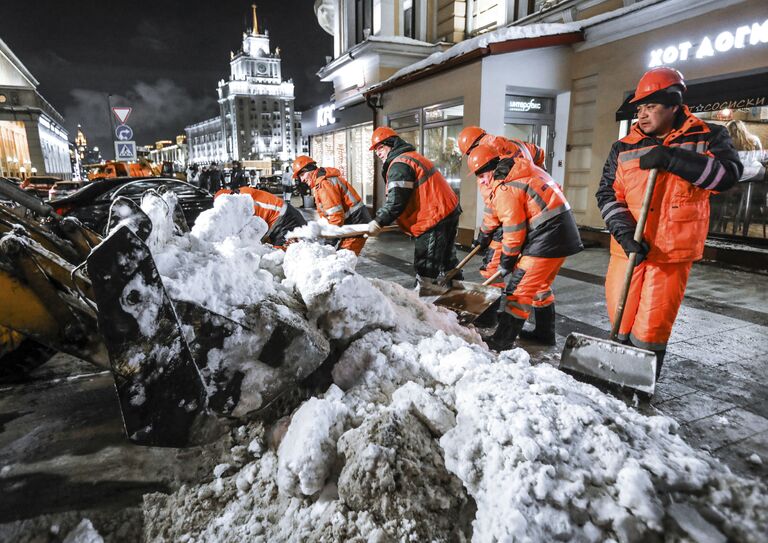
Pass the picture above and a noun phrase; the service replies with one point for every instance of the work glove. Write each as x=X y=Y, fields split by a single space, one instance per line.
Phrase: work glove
x=659 y=157
x=507 y=264
x=374 y=229
x=483 y=240
x=628 y=243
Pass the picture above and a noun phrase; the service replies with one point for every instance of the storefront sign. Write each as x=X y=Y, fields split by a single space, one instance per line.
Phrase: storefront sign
x=740 y=38
x=528 y=104
x=325 y=115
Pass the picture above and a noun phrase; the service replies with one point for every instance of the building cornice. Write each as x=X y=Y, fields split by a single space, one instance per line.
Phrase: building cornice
x=377 y=46
x=496 y=48
x=13 y=59
x=614 y=26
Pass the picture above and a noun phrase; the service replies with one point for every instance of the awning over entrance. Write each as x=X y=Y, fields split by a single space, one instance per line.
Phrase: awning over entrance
x=735 y=93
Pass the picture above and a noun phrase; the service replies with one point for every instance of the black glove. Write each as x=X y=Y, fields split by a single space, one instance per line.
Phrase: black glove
x=628 y=243
x=483 y=240
x=507 y=264
x=658 y=157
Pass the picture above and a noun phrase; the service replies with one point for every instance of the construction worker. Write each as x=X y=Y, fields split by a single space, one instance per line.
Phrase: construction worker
x=420 y=200
x=695 y=160
x=469 y=138
x=472 y=136
x=281 y=217
x=538 y=233
x=337 y=200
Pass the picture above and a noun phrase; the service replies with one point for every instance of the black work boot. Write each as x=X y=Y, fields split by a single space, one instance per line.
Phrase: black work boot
x=506 y=333
x=659 y=361
x=544 y=332
x=489 y=317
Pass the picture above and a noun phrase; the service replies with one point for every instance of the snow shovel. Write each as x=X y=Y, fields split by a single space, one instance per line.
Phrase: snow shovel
x=429 y=288
x=607 y=359
x=468 y=300
x=362 y=233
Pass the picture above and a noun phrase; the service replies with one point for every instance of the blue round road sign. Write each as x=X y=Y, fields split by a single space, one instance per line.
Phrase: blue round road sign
x=124 y=132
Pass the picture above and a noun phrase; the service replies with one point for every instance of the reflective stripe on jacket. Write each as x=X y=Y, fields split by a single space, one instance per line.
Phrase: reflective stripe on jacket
x=432 y=199
x=515 y=148
x=703 y=161
x=336 y=199
x=533 y=213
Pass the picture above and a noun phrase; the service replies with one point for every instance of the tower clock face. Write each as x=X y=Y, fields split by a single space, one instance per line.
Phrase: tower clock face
x=261 y=68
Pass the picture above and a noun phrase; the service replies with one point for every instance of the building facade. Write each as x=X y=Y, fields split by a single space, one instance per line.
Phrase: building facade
x=33 y=140
x=555 y=73
x=256 y=119
x=172 y=153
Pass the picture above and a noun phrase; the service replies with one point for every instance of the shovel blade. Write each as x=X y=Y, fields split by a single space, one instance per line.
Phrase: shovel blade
x=468 y=300
x=610 y=361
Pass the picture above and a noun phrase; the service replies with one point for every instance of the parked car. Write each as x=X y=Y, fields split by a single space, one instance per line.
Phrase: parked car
x=271 y=183
x=39 y=184
x=64 y=188
x=119 y=169
x=91 y=203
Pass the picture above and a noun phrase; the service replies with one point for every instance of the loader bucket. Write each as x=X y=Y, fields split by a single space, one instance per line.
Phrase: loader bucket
x=161 y=392
x=609 y=361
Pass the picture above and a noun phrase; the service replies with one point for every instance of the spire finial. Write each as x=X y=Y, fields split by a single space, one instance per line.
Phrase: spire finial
x=255 y=20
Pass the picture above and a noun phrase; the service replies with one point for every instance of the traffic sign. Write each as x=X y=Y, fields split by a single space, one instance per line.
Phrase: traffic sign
x=125 y=150
x=124 y=132
x=122 y=113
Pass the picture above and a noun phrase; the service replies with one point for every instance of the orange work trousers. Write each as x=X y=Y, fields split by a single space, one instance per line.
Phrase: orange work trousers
x=654 y=298
x=353 y=244
x=493 y=256
x=530 y=285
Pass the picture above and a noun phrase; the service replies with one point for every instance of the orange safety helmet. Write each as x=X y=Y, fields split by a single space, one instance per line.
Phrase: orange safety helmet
x=301 y=162
x=380 y=134
x=468 y=137
x=658 y=79
x=480 y=157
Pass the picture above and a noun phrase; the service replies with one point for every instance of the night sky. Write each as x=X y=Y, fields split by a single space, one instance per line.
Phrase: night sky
x=163 y=58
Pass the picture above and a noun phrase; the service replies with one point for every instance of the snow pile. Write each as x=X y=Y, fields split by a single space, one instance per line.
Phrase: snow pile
x=424 y=434
x=218 y=264
x=321 y=227
x=84 y=533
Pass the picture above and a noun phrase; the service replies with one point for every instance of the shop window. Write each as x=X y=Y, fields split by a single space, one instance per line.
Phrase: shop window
x=743 y=210
x=441 y=147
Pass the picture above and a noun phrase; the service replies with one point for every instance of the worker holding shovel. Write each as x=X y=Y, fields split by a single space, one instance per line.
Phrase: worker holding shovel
x=694 y=160
x=538 y=233
x=420 y=200
x=337 y=200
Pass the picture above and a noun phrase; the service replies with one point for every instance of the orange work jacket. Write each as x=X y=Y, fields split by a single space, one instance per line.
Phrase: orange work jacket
x=432 y=199
x=336 y=199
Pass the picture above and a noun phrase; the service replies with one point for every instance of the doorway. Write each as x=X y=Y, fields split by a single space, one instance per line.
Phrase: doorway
x=538 y=133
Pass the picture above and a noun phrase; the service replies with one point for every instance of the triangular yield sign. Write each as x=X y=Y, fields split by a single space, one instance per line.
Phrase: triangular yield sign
x=122 y=113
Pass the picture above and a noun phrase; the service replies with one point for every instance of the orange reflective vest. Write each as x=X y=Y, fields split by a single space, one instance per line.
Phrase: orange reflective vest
x=515 y=148
x=336 y=199
x=532 y=211
x=678 y=219
x=432 y=199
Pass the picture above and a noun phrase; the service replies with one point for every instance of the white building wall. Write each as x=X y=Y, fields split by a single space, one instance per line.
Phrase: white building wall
x=55 y=148
x=551 y=74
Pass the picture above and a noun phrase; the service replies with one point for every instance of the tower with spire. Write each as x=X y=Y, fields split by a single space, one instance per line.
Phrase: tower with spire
x=256 y=105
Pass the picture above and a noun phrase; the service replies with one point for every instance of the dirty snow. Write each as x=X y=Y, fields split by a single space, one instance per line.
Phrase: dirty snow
x=424 y=434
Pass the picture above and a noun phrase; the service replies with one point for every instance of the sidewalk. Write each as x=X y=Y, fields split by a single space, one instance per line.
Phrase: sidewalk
x=714 y=377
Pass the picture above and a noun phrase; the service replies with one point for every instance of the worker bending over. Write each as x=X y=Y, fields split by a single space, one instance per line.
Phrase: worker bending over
x=281 y=217
x=538 y=233
x=337 y=200
x=420 y=200
x=695 y=160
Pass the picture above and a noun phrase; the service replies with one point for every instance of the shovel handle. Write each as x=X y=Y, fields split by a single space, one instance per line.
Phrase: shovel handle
x=451 y=274
x=492 y=279
x=633 y=256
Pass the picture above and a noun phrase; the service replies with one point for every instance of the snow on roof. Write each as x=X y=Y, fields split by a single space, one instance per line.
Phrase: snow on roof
x=507 y=34
x=484 y=40
x=399 y=39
